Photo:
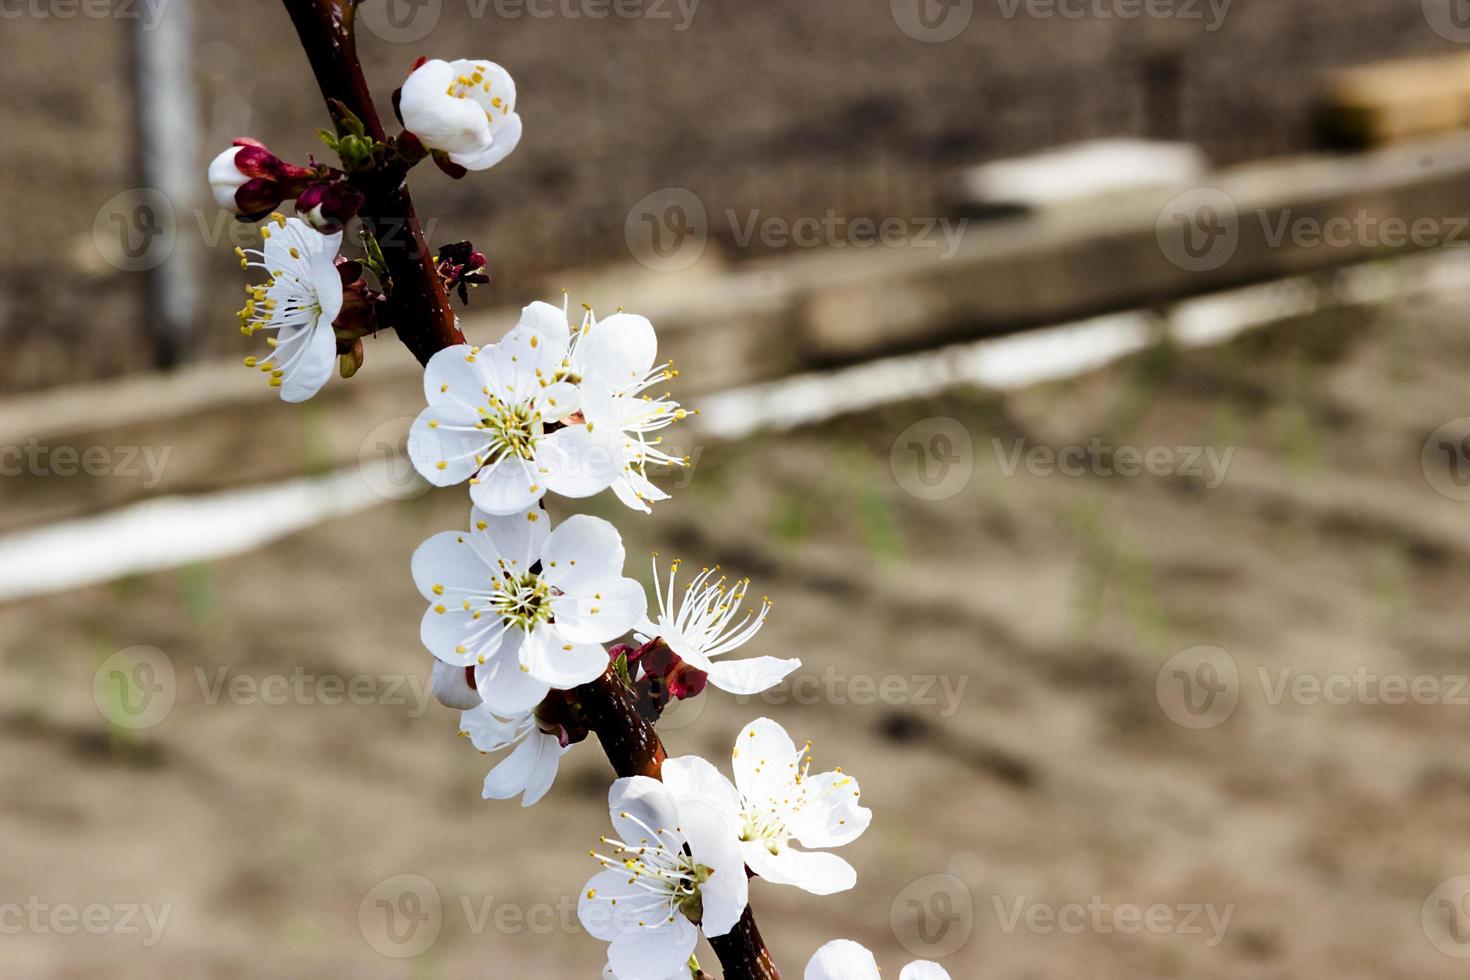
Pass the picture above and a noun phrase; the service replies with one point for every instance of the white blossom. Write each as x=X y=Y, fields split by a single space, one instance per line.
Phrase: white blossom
x=615 y=359
x=708 y=620
x=299 y=300
x=778 y=801
x=525 y=631
x=843 y=959
x=487 y=416
x=674 y=869
x=465 y=108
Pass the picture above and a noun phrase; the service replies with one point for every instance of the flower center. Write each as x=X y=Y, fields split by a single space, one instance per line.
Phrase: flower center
x=767 y=826
x=522 y=601
x=465 y=86
x=686 y=895
x=514 y=429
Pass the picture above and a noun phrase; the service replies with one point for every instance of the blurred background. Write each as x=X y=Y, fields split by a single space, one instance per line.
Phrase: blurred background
x=1085 y=380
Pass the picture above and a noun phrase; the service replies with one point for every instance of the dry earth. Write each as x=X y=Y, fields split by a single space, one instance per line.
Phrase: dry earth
x=1017 y=628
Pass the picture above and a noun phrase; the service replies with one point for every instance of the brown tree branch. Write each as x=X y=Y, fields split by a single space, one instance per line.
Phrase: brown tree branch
x=418 y=307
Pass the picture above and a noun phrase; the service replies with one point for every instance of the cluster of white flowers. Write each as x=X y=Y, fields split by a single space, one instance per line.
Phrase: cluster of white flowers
x=520 y=611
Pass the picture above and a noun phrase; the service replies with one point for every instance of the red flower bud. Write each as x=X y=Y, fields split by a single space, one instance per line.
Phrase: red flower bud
x=327 y=205
x=251 y=181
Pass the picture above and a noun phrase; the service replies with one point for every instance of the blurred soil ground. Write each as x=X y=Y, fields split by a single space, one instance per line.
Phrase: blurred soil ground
x=1049 y=603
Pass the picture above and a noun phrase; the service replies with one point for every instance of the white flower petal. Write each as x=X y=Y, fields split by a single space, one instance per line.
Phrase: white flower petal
x=638 y=805
x=527 y=772
x=834 y=816
x=923 y=970
x=600 y=615
x=817 y=872
x=607 y=905
x=508 y=486
x=307 y=369
x=753 y=675
x=559 y=662
x=509 y=690
x=714 y=842
x=545 y=319
x=487 y=731
x=765 y=760
x=581 y=461
x=455 y=376
x=516 y=538
x=445 y=450
x=689 y=776
x=653 y=951
x=581 y=554
x=842 y=959
x=456 y=637
x=504 y=138
x=447 y=565
x=619 y=350
x=454 y=686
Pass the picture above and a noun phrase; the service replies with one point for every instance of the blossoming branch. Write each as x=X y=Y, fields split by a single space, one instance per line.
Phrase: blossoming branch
x=534 y=632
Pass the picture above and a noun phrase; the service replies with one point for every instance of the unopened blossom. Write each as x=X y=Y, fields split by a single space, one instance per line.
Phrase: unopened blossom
x=843 y=959
x=530 y=769
x=464 y=108
x=526 y=630
x=615 y=357
x=708 y=619
x=487 y=419
x=327 y=205
x=298 y=303
x=251 y=181
x=779 y=803
x=673 y=868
